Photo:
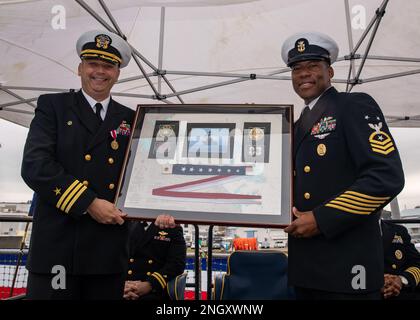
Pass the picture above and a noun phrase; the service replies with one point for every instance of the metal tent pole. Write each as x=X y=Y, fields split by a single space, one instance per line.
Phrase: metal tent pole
x=390 y=76
x=365 y=33
x=161 y=38
x=15 y=103
x=249 y=76
x=136 y=54
x=351 y=45
x=395 y=209
x=33 y=89
x=379 y=15
x=17 y=96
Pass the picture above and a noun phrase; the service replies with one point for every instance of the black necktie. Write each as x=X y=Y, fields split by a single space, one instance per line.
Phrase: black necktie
x=301 y=122
x=305 y=114
x=98 y=112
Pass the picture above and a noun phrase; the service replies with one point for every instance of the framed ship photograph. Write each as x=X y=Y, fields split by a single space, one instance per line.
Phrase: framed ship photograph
x=209 y=164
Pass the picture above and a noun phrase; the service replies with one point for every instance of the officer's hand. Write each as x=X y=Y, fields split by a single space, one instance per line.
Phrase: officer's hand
x=392 y=286
x=129 y=293
x=165 y=221
x=135 y=289
x=105 y=212
x=304 y=226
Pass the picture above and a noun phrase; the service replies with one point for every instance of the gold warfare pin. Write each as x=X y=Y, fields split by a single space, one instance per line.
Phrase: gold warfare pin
x=321 y=149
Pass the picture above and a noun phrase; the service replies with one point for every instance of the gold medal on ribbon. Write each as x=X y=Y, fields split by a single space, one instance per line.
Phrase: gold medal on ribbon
x=114 y=145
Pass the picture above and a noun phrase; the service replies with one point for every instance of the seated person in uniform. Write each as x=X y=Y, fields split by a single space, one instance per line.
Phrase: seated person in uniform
x=402 y=263
x=157 y=255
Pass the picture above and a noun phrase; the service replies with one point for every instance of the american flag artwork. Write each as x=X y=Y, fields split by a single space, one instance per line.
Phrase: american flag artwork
x=219 y=175
x=210 y=166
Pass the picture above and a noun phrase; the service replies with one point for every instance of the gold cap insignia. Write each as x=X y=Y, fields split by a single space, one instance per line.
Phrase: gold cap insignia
x=103 y=41
x=301 y=46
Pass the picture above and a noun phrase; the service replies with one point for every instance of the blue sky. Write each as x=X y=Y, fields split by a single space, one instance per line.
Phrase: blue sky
x=12 y=187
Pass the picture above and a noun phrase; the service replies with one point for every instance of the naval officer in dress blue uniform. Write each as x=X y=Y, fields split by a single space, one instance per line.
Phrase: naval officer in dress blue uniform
x=346 y=169
x=402 y=263
x=156 y=257
x=72 y=159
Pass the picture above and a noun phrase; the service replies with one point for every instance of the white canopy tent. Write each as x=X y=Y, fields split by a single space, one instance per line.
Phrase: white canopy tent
x=211 y=51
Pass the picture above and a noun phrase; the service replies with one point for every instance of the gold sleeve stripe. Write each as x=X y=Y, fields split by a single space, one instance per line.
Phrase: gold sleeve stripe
x=360 y=199
x=415 y=272
x=361 y=204
x=416 y=278
x=383 y=152
x=160 y=276
x=160 y=279
x=351 y=206
x=70 y=196
x=75 y=199
x=345 y=209
x=366 y=196
x=64 y=196
x=223 y=287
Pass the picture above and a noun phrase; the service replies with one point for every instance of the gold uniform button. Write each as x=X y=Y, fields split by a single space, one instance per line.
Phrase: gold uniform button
x=148 y=273
x=131 y=260
x=69 y=123
x=394 y=266
x=110 y=161
x=150 y=261
x=130 y=272
x=294 y=173
x=88 y=157
x=85 y=183
x=111 y=186
x=307 y=195
x=307 y=169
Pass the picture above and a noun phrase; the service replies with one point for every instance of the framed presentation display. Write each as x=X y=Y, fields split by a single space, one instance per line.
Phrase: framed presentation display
x=210 y=164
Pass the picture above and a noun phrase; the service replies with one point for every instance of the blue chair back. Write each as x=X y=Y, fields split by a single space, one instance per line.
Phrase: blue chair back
x=176 y=287
x=254 y=275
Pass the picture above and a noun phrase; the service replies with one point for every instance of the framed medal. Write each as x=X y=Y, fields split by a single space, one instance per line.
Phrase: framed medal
x=210 y=164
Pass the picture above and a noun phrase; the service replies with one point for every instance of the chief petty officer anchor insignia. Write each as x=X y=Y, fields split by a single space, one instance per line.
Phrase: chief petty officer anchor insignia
x=380 y=141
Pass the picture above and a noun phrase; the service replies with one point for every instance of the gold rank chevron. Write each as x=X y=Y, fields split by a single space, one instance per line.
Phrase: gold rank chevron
x=356 y=202
x=159 y=278
x=70 y=196
x=384 y=147
x=415 y=272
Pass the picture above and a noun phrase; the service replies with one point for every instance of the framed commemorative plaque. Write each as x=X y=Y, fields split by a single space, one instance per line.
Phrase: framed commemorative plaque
x=210 y=164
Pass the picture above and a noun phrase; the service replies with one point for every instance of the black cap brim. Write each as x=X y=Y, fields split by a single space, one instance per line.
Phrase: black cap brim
x=305 y=57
